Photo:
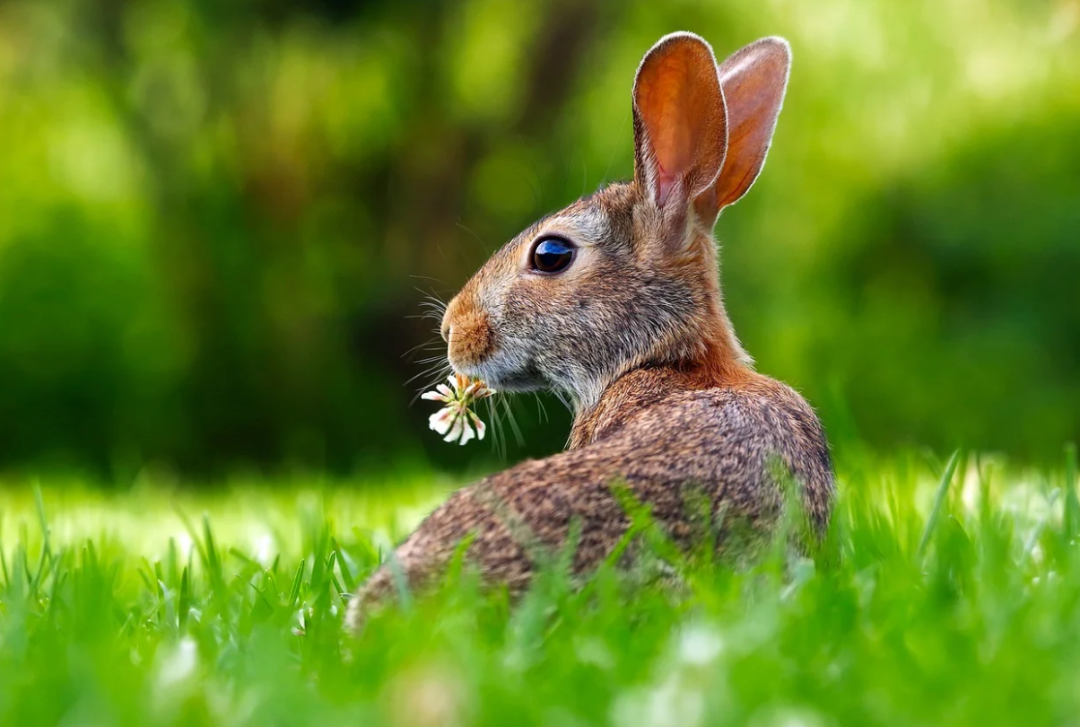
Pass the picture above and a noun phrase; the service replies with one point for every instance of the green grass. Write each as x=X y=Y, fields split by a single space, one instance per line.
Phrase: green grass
x=937 y=600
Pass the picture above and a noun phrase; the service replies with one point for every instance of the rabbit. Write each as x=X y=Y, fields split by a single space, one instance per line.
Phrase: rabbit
x=615 y=302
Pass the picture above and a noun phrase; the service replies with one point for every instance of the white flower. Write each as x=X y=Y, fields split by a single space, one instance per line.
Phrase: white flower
x=455 y=421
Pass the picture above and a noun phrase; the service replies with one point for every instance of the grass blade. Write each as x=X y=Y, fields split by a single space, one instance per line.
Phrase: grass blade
x=1072 y=503
x=184 y=605
x=343 y=567
x=298 y=581
x=3 y=557
x=1033 y=538
x=939 y=500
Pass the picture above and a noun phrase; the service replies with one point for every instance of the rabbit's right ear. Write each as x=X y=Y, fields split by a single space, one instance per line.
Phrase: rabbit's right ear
x=754 y=80
x=680 y=131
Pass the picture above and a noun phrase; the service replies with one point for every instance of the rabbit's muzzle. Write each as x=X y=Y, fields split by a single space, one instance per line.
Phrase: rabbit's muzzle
x=466 y=328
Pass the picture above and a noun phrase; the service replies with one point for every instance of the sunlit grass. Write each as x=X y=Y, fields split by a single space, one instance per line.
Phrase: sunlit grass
x=947 y=593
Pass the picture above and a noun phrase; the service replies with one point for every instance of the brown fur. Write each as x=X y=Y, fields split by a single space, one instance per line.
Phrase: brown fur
x=470 y=333
x=635 y=333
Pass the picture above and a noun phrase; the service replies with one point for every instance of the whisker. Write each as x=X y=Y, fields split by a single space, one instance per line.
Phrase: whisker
x=513 y=422
x=498 y=437
x=433 y=304
x=432 y=374
x=427 y=345
x=483 y=245
x=432 y=364
x=436 y=379
x=564 y=400
x=441 y=370
x=426 y=277
x=429 y=294
x=541 y=410
x=432 y=359
x=428 y=376
x=434 y=368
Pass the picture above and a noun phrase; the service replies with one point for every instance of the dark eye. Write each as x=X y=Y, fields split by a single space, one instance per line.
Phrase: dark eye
x=552 y=255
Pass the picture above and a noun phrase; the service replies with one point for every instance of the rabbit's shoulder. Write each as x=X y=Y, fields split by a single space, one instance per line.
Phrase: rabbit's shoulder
x=661 y=404
x=730 y=435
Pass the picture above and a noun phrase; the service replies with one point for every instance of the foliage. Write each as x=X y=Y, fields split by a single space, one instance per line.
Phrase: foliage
x=939 y=598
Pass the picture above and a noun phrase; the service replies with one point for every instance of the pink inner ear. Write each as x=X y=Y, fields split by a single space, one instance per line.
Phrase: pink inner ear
x=664 y=183
x=680 y=129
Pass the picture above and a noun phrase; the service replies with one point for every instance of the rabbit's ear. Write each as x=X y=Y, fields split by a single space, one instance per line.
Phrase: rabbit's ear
x=754 y=80
x=679 y=125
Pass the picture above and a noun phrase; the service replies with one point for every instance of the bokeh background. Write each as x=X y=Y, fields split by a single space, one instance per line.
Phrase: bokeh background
x=218 y=220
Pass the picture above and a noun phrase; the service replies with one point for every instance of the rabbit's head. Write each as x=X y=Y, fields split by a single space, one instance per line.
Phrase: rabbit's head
x=628 y=276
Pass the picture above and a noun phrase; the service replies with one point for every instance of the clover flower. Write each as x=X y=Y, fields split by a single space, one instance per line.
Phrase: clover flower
x=456 y=420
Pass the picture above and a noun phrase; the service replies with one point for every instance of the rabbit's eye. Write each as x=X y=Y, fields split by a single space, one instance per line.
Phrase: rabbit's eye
x=552 y=255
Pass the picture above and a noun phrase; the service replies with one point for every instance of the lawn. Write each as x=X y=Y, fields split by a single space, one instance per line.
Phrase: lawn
x=937 y=600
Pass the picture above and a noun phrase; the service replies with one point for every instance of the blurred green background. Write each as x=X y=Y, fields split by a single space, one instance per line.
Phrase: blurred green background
x=218 y=219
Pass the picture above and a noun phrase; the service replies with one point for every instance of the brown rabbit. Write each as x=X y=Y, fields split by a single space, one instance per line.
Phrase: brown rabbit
x=615 y=302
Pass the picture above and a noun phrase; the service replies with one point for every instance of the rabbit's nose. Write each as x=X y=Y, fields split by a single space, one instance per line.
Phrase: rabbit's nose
x=446 y=330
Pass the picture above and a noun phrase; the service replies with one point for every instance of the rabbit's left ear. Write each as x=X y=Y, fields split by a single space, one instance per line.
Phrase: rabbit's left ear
x=680 y=130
